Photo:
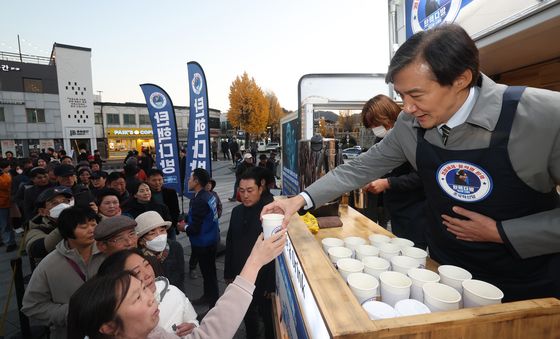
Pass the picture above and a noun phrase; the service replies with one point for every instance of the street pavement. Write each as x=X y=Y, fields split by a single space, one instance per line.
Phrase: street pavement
x=223 y=174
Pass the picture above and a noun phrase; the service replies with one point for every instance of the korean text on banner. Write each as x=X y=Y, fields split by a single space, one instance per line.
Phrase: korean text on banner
x=198 y=141
x=162 y=117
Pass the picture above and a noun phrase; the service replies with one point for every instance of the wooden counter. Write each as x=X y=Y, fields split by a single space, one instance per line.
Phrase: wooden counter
x=344 y=317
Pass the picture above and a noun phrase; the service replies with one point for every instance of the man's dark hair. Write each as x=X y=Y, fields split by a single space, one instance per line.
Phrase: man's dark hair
x=259 y=174
x=9 y=152
x=71 y=217
x=212 y=184
x=4 y=163
x=447 y=49
x=114 y=176
x=201 y=175
x=154 y=171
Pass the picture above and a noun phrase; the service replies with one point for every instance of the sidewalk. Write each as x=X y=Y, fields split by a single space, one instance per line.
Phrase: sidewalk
x=225 y=178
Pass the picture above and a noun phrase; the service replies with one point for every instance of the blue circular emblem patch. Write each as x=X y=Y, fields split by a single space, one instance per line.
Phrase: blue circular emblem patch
x=197 y=83
x=464 y=181
x=158 y=100
x=426 y=14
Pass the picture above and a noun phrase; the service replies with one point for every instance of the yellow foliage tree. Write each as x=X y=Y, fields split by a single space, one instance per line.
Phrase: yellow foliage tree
x=248 y=106
x=275 y=113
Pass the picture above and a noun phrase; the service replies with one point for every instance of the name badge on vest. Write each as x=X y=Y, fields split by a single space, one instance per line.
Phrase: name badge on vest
x=464 y=181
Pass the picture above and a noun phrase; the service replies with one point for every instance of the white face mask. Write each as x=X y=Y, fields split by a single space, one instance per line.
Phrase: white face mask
x=158 y=243
x=55 y=211
x=379 y=131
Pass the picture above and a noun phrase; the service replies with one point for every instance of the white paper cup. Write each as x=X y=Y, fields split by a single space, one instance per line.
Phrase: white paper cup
x=439 y=297
x=363 y=251
x=337 y=253
x=417 y=253
x=378 y=239
x=480 y=293
x=454 y=276
x=402 y=264
x=331 y=242
x=402 y=242
x=375 y=266
x=364 y=286
x=387 y=251
x=271 y=223
x=419 y=277
x=408 y=307
x=395 y=286
x=353 y=243
x=378 y=310
x=347 y=266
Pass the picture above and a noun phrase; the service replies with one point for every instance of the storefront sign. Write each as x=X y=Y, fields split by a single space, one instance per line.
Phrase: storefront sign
x=8 y=68
x=164 y=128
x=79 y=133
x=300 y=312
x=46 y=143
x=130 y=132
x=8 y=145
x=422 y=15
x=198 y=141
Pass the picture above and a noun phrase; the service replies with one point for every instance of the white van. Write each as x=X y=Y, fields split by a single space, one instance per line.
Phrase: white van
x=261 y=146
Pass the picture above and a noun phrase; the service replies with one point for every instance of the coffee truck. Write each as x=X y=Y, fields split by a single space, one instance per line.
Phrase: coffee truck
x=518 y=43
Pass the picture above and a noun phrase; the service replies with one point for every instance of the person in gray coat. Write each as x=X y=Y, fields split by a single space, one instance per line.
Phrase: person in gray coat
x=74 y=261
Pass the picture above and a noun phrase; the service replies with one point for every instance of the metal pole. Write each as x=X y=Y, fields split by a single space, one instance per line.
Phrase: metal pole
x=19 y=48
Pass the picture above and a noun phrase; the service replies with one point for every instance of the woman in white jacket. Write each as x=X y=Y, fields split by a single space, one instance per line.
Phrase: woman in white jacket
x=176 y=314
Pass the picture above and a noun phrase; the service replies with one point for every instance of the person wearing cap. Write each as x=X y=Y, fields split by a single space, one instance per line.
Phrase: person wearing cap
x=66 y=176
x=108 y=203
x=153 y=242
x=84 y=176
x=242 y=167
x=115 y=234
x=27 y=194
x=75 y=260
x=98 y=181
x=116 y=181
x=43 y=234
x=204 y=233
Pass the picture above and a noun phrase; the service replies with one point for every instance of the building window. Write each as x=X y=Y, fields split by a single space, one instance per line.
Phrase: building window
x=144 y=119
x=35 y=115
x=2 y=116
x=129 y=119
x=113 y=119
x=33 y=85
x=98 y=118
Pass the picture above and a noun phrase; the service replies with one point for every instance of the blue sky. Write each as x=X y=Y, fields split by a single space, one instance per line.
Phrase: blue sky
x=276 y=42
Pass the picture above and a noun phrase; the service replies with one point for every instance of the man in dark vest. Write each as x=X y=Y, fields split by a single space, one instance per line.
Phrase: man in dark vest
x=502 y=222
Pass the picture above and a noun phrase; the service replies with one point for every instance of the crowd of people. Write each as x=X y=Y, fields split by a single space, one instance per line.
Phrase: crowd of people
x=95 y=237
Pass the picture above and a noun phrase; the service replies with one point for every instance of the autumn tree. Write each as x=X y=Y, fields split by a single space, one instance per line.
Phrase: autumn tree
x=275 y=113
x=248 y=106
x=345 y=121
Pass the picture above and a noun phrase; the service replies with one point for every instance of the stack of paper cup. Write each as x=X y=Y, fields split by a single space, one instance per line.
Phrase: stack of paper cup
x=419 y=277
x=375 y=266
x=408 y=307
x=331 y=242
x=363 y=251
x=378 y=310
x=378 y=239
x=347 y=266
x=454 y=276
x=353 y=243
x=417 y=253
x=271 y=223
x=337 y=253
x=402 y=242
x=387 y=251
x=402 y=263
x=440 y=297
x=480 y=293
x=364 y=286
x=395 y=286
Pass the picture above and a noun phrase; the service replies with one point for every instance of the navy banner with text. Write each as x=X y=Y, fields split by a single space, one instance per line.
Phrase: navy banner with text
x=162 y=116
x=198 y=141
